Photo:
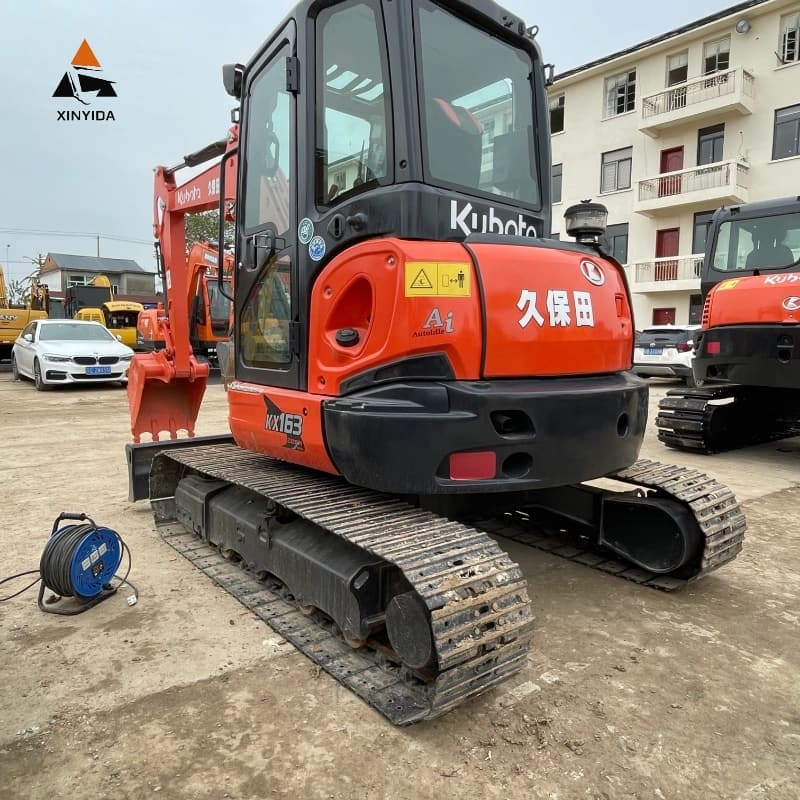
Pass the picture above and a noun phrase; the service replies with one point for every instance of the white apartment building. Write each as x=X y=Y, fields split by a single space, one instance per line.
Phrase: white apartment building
x=669 y=130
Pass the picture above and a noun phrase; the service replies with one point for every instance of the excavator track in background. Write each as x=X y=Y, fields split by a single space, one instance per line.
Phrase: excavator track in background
x=716 y=419
x=712 y=505
x=476 y=597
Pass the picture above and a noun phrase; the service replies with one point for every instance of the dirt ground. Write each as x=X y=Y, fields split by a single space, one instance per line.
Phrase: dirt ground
x=628 y=692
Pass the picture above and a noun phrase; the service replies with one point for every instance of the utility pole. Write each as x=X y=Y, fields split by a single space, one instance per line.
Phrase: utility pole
x=98 y=245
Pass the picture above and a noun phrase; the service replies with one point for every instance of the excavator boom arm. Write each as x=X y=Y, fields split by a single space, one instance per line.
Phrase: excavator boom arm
x=165 y=388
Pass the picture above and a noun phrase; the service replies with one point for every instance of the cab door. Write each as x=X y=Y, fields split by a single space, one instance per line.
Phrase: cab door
x=265 y=295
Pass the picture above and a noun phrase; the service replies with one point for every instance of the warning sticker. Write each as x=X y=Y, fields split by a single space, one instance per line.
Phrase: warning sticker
x=438 y=279
x=729 y=284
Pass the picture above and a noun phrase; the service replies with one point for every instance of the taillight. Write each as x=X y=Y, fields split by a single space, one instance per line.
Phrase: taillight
x=474 y=466
x=713 y=348
x=683 y=347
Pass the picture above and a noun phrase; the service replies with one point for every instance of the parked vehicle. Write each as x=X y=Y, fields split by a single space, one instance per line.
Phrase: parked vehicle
x=58 y=351
x=665 y=351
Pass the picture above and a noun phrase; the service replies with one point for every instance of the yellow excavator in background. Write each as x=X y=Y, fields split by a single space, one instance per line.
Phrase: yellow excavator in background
x=14 y=317
x=96 y=302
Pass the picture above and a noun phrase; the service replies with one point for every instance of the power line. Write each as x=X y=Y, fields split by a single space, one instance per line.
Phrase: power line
x=74 y=234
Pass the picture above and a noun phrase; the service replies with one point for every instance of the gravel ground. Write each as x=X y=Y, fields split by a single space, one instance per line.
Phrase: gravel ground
x=628 y=692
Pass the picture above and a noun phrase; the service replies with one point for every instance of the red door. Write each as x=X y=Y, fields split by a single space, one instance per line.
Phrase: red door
x=671 y=161
x=668 y=243
x=663 y=316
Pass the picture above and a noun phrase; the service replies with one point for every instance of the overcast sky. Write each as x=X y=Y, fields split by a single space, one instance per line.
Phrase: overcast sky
x=165 y=58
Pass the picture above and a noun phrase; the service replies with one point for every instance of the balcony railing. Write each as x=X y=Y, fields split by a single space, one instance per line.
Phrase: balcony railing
x=675 y=268
x=721 y=175
x=698 y=90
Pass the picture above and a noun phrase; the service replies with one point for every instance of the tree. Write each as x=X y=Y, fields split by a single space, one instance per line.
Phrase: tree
x=204 y=227
x=19 y=291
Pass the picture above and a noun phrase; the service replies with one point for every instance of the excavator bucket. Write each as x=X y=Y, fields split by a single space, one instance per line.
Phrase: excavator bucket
x=159 y=399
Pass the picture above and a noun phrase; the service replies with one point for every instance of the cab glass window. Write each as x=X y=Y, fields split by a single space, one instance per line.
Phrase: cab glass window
x=219 y=307
x=268 y=154
x=352 y=148
x=264 y=326
x=768 y=242
x=476 y=102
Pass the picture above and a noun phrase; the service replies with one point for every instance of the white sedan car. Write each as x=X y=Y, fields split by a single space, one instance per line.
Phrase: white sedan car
x=59 y=351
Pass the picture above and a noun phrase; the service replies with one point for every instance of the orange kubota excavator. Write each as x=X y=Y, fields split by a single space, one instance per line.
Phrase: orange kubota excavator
x=208 y=304
x=414 y=365
x=747 y=355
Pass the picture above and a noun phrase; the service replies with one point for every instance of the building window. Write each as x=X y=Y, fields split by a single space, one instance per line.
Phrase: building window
x=790 y=38
x=557 y=113
x=556 y=183
x=621 y=93
x=786 y=137
x=615 y=241
x=709 y=144
x=77 y=280
x=340 y=180
x=695 y=308
x=615 y=171
x=717 y=55
x=678 y=68
x=702 y=219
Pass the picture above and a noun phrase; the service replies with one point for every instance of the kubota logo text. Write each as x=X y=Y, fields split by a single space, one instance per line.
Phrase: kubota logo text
x=469 y=221
x=184 y=196
x=82 y=82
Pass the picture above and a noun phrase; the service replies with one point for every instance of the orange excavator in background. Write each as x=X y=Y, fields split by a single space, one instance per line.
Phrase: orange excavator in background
x=747 y=354
x=208 y=302
x=210 y=311
x=414 y=364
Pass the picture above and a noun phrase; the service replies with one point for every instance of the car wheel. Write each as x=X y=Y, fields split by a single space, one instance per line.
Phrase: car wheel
x=38 y=380
x=14 y=371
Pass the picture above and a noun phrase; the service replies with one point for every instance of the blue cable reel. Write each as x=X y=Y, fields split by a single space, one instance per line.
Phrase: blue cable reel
x=79 y=561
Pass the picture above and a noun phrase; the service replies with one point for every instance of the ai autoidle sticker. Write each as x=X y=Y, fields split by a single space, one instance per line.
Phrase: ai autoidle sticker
x=436 y=324
x=438 y=279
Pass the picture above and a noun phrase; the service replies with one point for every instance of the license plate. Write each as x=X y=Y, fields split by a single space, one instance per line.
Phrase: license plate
x=652 y=351
x=98 y=370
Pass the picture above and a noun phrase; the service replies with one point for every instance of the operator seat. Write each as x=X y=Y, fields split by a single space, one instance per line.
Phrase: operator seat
x=769 y=251
x=455 y=142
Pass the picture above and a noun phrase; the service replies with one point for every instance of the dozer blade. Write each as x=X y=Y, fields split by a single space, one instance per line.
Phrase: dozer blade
x=159 y=399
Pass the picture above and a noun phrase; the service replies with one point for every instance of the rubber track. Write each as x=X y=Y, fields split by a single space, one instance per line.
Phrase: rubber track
x=477 y=596
x=685 y=422
x=713 y=505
